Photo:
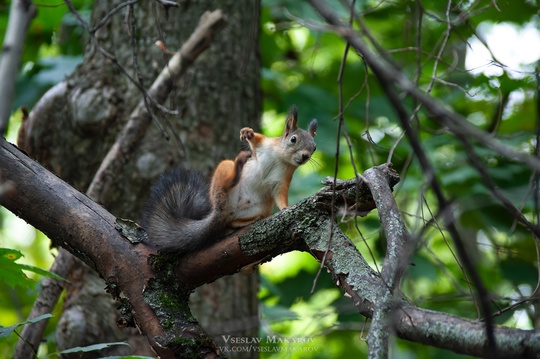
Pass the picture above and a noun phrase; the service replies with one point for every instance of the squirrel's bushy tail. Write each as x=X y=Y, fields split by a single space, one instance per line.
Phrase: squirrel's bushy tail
x=178 y=215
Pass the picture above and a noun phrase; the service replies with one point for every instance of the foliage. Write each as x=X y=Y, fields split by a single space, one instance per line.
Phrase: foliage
x=89 y=348
x=301 y=65
x=5 y=332
x=12 y=273
x=52 y=50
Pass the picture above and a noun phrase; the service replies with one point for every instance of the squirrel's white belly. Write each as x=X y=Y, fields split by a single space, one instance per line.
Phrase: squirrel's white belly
x=253 y=196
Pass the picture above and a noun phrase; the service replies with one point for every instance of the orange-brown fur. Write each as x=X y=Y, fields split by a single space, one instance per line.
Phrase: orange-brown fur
x=183 y=214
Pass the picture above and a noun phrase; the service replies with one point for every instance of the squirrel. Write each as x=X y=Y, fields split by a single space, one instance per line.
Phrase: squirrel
x=184 y=213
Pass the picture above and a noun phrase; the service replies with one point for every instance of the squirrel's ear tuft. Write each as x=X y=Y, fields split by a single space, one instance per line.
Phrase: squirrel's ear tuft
x=291 y=123
x=312 y=128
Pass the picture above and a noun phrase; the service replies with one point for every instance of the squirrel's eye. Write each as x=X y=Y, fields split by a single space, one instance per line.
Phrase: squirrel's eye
x=293 y=139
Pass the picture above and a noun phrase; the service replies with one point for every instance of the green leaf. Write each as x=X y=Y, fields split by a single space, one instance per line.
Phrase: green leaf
x=42 y=75
x=12 y=273
x=89 y=348
x=5 y=332
x=41 y=271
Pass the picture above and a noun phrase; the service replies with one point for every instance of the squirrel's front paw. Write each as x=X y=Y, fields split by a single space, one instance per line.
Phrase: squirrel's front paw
x=246 y=133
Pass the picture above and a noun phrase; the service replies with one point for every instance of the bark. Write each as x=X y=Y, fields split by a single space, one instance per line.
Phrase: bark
x=72 y=128
x=92 y=233
x=83 y=227
x=399 y=249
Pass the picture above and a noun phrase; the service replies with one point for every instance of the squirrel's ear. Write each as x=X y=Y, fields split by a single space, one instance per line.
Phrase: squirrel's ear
x=292 y=119
x=312 y=128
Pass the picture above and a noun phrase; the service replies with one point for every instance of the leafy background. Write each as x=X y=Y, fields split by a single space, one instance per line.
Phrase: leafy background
x=301 y=66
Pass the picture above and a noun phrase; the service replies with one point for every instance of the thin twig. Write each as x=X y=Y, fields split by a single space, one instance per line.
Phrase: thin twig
x=209 y=26
x=96 y=190
x=107 y=17
x=112 y=58
x=388 y=75
x=446 y=118
x=456 y=258
x=336 y=163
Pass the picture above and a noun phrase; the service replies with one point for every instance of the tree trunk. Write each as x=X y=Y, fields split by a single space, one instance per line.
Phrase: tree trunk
x=71 y=129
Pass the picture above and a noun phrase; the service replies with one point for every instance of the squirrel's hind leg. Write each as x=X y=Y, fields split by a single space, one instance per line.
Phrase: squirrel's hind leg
x=227 y=173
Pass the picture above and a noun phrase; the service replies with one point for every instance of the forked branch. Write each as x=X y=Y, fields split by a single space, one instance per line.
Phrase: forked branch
x=91 y=233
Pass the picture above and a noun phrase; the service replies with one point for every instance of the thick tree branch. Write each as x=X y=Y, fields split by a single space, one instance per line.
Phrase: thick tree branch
x=91 y=233
x=463 y=336
x=71 y=220
x=209 y=26
x=303 y=226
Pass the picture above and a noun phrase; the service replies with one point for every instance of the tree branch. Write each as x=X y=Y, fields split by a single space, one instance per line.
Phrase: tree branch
x=463 y=336
x=51 y=289
x=209 y=26
x=91 y=233
x=390 y=74
x=399 y=249
x=81 y=226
